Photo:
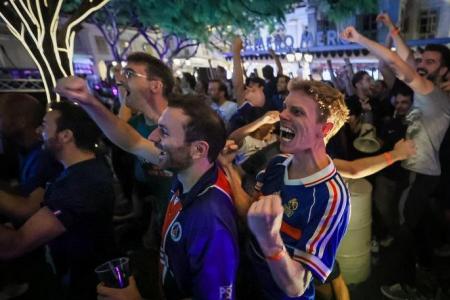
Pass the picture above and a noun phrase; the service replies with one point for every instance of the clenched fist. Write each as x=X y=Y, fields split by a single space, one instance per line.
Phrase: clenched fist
x=264 y=220
x=350 y=34
x=74 y=89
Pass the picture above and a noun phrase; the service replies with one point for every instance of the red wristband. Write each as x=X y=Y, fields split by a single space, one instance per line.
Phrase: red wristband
x=277 y=255
x=395 y=31
x=388 y=158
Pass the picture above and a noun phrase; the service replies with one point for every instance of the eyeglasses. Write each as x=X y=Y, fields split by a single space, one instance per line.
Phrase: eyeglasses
x=129 y=73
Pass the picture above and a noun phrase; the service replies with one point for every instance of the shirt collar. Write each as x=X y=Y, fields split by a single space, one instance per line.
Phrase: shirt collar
x=208 y=179
x=313 y=179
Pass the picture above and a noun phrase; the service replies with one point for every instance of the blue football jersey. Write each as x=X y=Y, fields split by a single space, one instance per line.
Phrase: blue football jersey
x=199 y=251
x=315 y=219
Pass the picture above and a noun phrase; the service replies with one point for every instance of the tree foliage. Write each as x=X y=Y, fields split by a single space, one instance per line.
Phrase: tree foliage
x=339 y=10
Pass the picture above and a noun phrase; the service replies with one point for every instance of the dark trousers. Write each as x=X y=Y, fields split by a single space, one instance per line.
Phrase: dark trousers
x=413 y=239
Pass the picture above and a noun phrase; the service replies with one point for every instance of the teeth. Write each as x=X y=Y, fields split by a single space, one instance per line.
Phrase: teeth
x=288 y=130
x=286 y=134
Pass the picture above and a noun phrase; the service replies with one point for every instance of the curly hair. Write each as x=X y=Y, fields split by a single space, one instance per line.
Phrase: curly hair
x=330 y=102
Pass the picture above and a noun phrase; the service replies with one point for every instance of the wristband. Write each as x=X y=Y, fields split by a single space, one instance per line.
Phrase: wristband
x=395 y=31
x=277 y=255
x=388 y=158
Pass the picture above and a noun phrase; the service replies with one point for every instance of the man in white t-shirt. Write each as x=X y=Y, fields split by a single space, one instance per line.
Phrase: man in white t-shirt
x=217 y=90
x=428 y=122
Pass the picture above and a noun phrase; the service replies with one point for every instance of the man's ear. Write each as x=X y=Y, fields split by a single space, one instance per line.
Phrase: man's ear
x=66 y=135
x=199 y=149
x=443 y=72
x=326 y=128
x=156 y=86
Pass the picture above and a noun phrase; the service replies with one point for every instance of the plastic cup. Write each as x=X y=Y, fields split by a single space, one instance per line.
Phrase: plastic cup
x=114 y=273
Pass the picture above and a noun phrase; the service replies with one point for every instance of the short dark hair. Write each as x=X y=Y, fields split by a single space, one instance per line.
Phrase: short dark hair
x=267 y=71
x=75 y=119
x=257 y=80
x=155 y=67
x=443 y=50
x=222 y=87
x=402 y=88
x=358 y=77
x=204 y=123
x=23 y=105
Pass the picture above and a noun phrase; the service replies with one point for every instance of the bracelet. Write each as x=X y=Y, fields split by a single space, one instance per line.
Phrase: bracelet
x=277 y=255
x=388 y=158
x=395 y=31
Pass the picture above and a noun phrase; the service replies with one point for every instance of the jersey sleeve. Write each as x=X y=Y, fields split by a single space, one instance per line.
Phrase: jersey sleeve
x=320 y=239
x=213 y=258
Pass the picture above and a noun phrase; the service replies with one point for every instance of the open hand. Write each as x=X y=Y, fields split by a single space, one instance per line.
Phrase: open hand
x=404 y=149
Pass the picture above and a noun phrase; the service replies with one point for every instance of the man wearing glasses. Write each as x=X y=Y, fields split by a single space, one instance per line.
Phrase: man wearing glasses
x=148 y=82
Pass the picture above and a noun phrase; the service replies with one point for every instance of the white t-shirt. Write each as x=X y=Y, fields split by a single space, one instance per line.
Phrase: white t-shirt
x=429 y=120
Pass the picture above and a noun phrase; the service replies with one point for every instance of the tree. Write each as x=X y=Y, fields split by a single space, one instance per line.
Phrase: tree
x=36 y=24
x=117 y=16
x=339 y=10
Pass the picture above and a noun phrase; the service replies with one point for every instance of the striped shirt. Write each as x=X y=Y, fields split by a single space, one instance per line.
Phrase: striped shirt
x=315 y=219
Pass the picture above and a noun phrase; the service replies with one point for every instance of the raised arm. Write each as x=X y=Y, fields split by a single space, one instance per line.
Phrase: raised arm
x=117 y=130
x=276 y=58
x=388 y=75
x=242 y=200
x=402 y=70
x=367 y=166
x=270 y=117
x=264 y=220
x=238 y=74
x=403 y=49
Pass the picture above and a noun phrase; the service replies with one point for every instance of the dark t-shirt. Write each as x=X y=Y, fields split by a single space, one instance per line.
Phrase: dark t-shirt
x=82 y=198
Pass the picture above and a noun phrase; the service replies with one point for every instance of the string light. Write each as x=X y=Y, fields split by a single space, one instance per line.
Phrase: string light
x=30 y=14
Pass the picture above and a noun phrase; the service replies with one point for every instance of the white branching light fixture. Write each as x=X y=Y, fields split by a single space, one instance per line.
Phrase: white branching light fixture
x=35 y=23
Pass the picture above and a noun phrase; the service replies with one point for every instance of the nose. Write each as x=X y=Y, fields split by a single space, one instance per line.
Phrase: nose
x=283 y=114
x=155 y=135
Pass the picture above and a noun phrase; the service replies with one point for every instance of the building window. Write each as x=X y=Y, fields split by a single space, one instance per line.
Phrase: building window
x=428 y=21
x=367 y=24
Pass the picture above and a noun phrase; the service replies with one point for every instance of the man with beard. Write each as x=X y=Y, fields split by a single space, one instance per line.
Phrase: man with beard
x=303 y=206
x=217 y=90
x=75 y=218
x=428 y=122
x=199 y=250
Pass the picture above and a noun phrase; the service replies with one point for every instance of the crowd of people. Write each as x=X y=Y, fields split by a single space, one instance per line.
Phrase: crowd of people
x=235 y=189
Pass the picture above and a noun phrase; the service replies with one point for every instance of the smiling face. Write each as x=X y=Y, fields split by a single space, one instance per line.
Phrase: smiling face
x=430 y=66
x=300 y=129
x=169 y=137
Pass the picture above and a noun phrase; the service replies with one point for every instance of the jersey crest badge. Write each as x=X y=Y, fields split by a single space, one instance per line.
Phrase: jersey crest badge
x=290 y=207
x=176 y=232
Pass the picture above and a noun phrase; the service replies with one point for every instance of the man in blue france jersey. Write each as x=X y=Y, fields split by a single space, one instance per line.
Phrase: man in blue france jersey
x=199 y=252
x=303 y=208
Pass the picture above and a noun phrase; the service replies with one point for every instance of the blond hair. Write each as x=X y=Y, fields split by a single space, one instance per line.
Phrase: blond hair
x=330 y=101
